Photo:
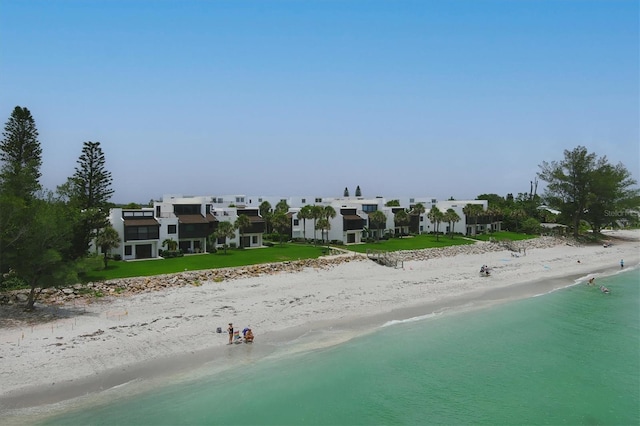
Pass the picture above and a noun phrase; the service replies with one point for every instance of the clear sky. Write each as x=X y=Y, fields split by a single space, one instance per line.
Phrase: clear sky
x=284 y=98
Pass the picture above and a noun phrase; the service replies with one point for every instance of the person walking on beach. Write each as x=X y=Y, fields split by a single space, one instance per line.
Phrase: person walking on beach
x=621 y=263
x=230 y=330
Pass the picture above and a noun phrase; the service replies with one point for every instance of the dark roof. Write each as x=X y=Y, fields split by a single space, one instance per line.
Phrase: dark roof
x=141 y=222
x=211 y=218
x=352 y=217
x=255 y=219
x=192 y=218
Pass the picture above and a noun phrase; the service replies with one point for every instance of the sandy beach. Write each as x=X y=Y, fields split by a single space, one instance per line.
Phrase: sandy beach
x=100 y=345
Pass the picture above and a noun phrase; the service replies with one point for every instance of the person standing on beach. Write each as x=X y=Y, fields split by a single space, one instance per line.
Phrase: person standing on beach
x=230 y=330
x=621 y=263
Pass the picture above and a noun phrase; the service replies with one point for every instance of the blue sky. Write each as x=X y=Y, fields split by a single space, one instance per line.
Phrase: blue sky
x=278 y=98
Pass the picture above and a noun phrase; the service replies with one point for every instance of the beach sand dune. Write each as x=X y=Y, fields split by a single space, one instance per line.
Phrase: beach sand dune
x=100 y=345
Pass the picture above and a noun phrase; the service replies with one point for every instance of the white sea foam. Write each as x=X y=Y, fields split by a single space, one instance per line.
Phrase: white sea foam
x=413 y=319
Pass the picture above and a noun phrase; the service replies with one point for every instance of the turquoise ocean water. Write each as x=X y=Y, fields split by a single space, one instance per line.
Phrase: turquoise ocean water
x=570 y=357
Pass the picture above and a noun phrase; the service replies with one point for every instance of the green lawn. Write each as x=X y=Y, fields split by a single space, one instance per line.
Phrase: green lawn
x=417 y=242
x=276 y=253
x=195 y=262
x=504 y=235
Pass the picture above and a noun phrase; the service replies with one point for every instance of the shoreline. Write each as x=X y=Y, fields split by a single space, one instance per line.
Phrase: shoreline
x=157 y=338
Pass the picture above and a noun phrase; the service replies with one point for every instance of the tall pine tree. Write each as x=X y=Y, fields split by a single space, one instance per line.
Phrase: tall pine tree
x=90 y=194
x=20 y=161
x=20 y=156
x=92 y=182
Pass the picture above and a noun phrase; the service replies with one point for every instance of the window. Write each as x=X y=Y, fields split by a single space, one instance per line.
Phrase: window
x=296 y=222
x=172 y=229
x=368 y=208
x=304 y=201
x=186 y=209
x=137 y=214
x=318 y=200
x=141 y=233
x=421 y=218
x=127 y=250
x=254 y=239
x=412 y=200
x=239 y=199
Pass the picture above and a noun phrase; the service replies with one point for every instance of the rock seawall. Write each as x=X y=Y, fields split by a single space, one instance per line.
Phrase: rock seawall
x=129 y=286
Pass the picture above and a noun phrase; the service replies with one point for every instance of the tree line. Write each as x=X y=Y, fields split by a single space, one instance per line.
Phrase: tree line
x=46 y=236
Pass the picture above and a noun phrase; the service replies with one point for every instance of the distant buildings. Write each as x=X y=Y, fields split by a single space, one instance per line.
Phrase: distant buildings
x=189 y=221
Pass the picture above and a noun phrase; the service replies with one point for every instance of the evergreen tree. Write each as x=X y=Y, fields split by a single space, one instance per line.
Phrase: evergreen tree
x=92 y=182
x=583 y=186
x=20 y=161
x=20 y=156
x=90 y=191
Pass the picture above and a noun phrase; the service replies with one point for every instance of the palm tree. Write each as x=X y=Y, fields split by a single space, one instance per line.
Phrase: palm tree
x=322 y=224
x=242 y=223
x=265 y=213
x=328 y=213
x=107 y=239
x=418 y=210
x=493 y=212
x=281 y=223
x=170 y=244
x=435 y=216
x=316 y=213
x=473 y=211
x=379 y=219
x=401 y=220
x=304 y=214
x=451 y=217
x=225 y=230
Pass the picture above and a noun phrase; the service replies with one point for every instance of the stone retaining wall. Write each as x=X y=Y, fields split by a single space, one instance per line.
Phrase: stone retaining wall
x=128 y=286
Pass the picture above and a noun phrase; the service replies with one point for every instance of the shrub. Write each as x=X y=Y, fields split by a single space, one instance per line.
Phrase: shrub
x=10 y=281
x=267 y=244
x=117 y=256
x=531 y=226
x=168 y=254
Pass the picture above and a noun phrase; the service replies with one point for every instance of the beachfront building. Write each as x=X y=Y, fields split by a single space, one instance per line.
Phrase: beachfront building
x=352 y=232
x=189 y=221
x=139 y=233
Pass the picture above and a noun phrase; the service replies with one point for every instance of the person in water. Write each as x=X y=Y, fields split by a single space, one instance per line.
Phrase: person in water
x=604 y=289
x=591 y=280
